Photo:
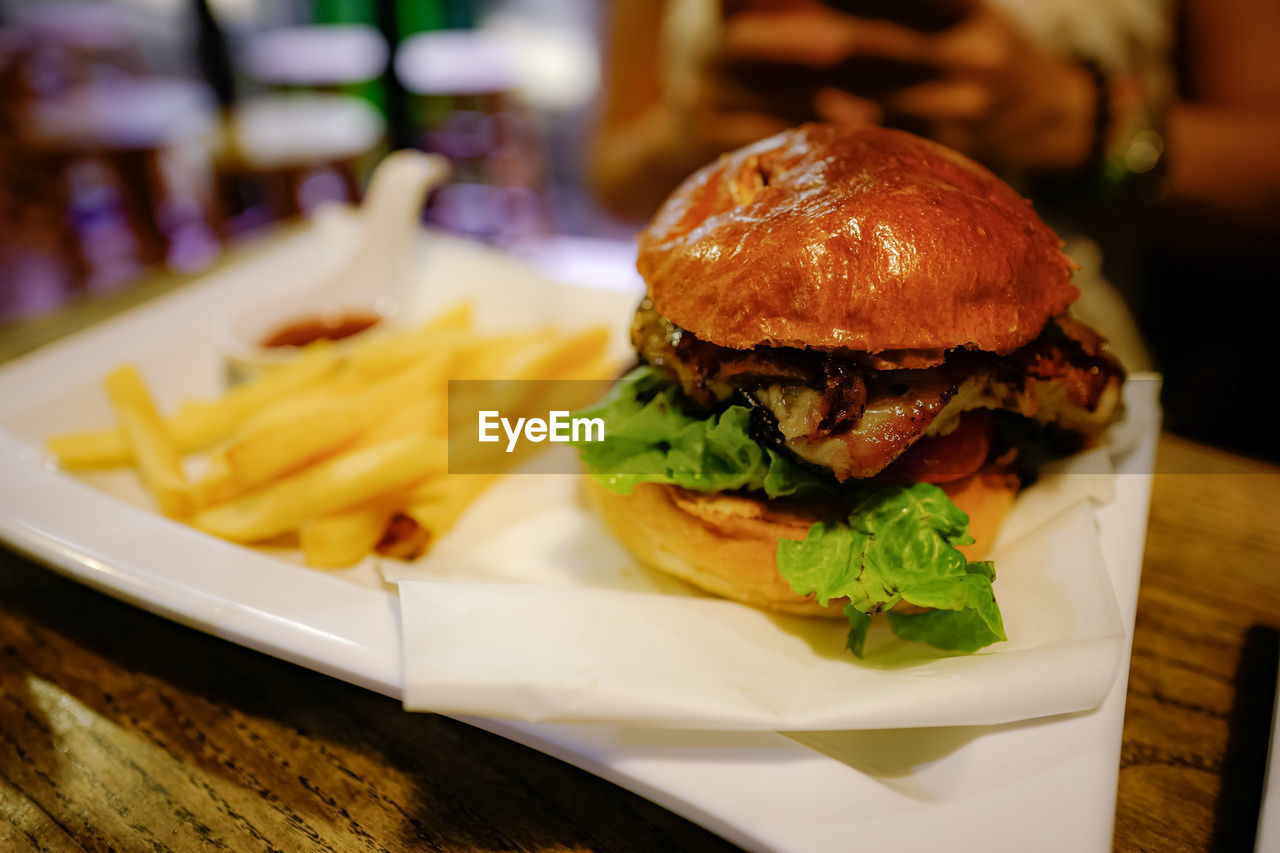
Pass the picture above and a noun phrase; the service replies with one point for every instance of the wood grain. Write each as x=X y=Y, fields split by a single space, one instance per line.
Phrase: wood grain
x=122 y=731
x=1210 y=574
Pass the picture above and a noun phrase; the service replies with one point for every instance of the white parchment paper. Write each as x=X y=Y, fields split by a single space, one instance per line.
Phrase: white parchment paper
x=529 y=610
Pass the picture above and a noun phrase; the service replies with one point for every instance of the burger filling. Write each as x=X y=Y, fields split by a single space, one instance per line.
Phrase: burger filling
x=859 y=441
x=856 y=415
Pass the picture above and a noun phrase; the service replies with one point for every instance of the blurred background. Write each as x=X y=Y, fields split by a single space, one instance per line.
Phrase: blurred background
x=139 y=136
x=146 y=133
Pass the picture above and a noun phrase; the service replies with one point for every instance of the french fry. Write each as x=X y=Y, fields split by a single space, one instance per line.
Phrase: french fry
x=202 y=424
x=459 y=318
x=347 y=448
x=98 y=448
x=404 y=538
x=493 y=358
x=295 y=406
x=281 y=447
x=394 y=354
x=428 y=416
x=343 y=538
x=197 y=425
x=563 y=357
x=334 y=484
x=439 y=502
x=384 y=355
x=603 y=367
x=216 y=484
x=279 y=443
x=149 y=442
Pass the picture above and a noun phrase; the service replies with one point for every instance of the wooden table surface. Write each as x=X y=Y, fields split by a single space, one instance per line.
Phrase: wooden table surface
x=122 y=731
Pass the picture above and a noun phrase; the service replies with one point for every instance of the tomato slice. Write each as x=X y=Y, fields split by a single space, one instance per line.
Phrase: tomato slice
x=944 y=458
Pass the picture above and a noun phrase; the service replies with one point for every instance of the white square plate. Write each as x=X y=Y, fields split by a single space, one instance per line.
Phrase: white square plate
x=1044 y=785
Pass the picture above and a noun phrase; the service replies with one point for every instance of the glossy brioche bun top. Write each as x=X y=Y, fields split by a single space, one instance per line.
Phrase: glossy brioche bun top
x=853 y=238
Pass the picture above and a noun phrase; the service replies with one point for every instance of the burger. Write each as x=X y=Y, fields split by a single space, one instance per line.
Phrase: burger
x=855 y=344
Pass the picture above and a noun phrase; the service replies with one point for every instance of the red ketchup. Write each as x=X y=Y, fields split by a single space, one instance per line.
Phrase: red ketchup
x=312 y=329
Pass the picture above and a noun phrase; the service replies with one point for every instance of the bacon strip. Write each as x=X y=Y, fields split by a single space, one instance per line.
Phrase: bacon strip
x=837 y=412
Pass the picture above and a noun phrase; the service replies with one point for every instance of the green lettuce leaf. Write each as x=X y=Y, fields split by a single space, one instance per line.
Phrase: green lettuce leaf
x=898 y=544
x=859 y=624
x=650 y=438
x=954 y=630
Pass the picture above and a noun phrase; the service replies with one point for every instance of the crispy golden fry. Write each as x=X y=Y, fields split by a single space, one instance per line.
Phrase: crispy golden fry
x=202 y=424
x=278 y=443
x=398 y=353
x=331 y=485
x=562 y=357
x=149 y=442
x=197 y=425
x=346 y=448
x=419 y=417
x=343 y=538
x=279 y=448
x=216 y=484
x=493 y=358
x=404 y=538
x=294 y=406
x=98 y=448
x=439 y=502
x=603 y=367
x=444 y=333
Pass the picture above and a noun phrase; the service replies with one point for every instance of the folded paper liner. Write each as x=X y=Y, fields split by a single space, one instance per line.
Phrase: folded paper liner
x=529 y=610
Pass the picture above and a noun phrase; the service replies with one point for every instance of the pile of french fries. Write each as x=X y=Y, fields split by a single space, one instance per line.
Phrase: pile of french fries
x=343 y=450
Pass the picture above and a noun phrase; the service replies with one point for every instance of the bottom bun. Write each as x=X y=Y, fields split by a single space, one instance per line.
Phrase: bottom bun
x=727 y=544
